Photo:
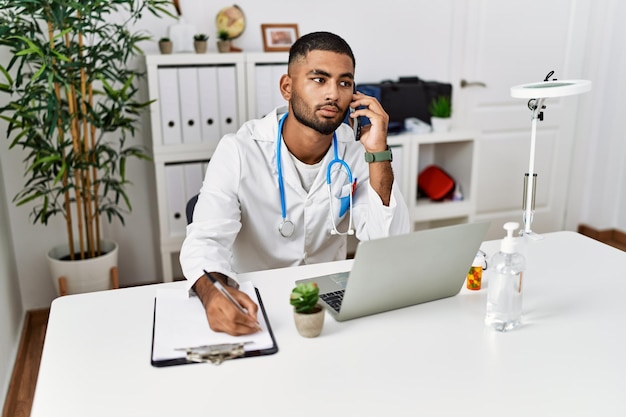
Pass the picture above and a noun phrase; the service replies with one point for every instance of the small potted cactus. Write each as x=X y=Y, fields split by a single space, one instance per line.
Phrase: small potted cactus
x=224 y=42
x=308 y=313
x=200 y=42
x=165 y=45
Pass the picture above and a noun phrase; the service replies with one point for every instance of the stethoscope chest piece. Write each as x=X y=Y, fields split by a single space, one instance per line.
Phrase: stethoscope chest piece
x=286 y=228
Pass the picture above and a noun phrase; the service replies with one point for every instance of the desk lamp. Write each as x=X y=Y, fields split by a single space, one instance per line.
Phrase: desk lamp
x=537 y=93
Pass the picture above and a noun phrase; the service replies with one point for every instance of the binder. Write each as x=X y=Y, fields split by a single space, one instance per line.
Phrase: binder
x=181 y=333
x=209 y=104
x=277 y=71
x=194 y=175
x=189 y=104
x=264 y=86
x=176 y=199
x=169 y=106
x=227 y=92
x=268 y=95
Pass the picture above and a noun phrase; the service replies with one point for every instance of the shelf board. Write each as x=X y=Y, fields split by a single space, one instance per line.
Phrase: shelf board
x=426 y=210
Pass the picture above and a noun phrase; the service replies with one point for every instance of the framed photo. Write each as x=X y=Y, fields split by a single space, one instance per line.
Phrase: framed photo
x=279 y=37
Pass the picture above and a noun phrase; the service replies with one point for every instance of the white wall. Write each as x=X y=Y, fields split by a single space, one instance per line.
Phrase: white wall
x=603 y=159
x=11 y=311
x=388 y=41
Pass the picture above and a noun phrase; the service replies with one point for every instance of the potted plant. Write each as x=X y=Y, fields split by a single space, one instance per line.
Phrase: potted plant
x=165 y=46
x=73 y=105
x=224 y=42
x=308 y=313
x=440 y=110
x=200 y=42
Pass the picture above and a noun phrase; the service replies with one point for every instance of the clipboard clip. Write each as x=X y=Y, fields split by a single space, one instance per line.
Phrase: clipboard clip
x=215 y=354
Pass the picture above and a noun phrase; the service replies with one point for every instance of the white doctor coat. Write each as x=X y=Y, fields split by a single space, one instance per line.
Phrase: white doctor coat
x=236 y=221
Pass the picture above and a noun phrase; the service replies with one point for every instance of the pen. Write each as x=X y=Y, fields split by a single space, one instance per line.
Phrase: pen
x=226 y=294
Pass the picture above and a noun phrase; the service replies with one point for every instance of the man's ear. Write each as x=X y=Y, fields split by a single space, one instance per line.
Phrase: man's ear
x=285 y=86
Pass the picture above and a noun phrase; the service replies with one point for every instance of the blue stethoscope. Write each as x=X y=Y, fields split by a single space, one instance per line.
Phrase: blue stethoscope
x=287 y=227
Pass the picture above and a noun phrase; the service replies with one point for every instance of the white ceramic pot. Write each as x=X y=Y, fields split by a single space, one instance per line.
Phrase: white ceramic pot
x=310 y=325
x=441 y=124
x=84 y=275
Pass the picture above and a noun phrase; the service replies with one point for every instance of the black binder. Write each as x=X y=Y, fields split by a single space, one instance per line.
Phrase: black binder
x=215 y=347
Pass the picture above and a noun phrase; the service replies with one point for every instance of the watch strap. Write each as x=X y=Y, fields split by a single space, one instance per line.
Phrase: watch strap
x=379 y=156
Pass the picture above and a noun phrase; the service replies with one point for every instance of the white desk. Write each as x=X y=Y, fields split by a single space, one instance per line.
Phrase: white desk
x=569 y=359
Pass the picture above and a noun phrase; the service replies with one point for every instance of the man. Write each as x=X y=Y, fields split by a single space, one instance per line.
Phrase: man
x=265 y=202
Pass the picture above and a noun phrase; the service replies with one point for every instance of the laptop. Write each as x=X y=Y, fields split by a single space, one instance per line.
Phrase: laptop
x=401 y=271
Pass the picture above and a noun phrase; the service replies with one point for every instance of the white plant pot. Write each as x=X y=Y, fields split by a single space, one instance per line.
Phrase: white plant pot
x=310 y=325
x=85 y=275
x=441 y=124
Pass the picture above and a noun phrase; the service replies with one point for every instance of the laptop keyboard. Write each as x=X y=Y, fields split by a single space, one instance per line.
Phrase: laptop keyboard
x=333 y=299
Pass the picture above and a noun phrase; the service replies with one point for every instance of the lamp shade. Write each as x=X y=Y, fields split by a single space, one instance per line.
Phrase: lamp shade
x=549 y=89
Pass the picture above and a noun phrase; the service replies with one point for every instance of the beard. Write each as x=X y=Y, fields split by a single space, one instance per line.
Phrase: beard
x=306 y=116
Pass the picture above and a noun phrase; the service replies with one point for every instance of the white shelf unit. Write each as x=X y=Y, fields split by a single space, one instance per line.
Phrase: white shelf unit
x=455 y=153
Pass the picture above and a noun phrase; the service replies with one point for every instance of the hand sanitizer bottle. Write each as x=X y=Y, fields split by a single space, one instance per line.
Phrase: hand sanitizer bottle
x=504 y=295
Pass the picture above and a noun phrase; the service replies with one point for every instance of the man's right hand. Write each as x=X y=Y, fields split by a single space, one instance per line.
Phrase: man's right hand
x=223 y=315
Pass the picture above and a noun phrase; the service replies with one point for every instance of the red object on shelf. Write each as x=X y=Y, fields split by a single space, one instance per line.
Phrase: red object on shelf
x=435 y=183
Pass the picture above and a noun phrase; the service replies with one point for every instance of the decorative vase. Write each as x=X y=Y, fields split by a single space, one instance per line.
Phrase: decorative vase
x=165 y=47
x=310 y=325
x=440 y=124
x=83 y=275
x=223 y=46
x=200 y=46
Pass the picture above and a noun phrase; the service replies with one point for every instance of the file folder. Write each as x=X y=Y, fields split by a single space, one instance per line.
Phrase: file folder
x=227 y=87
x=181 y=333
x=264 y=90
x=209 y=104
x=169 y=106
x=189 y=105
x=176 y=199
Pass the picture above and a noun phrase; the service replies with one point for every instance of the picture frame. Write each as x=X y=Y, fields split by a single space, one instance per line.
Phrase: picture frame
x=278 y=37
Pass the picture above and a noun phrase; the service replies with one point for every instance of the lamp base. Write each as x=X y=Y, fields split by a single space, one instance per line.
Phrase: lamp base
x=531 y=235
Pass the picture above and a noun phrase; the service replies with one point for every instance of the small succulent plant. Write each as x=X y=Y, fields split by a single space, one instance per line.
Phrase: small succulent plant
x=304 y=297
x=440 y=107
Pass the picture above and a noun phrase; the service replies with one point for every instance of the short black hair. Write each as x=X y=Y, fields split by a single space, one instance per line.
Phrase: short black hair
x=319 y=41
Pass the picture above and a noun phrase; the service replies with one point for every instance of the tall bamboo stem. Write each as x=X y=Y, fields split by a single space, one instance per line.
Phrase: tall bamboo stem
x=86 y=145
x=71 y=100
x=61 y=133
x=96 y=186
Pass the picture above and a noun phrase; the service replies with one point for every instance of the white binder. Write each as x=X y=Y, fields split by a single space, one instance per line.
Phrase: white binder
x=176 y=201
x=194 y=174
x=227 y=93
x=189 y=105
x=169 y=106
x=277 y=71
x=264 y=95
x=268 y=94
x=209 y=104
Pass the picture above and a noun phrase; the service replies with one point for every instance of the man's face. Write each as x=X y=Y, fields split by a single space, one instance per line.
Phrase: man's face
x=322 y=88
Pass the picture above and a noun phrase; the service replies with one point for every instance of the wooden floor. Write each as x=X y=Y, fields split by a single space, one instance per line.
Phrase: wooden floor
x=22 y=387
x=19 y=398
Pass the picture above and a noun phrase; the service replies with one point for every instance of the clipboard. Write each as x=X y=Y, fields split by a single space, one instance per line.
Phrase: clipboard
x=181 y=334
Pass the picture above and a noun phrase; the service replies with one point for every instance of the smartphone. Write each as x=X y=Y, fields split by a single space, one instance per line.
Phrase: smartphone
x=356 y=126
x=356 y=122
